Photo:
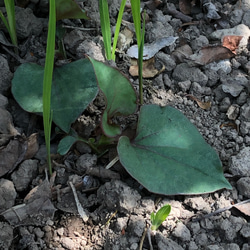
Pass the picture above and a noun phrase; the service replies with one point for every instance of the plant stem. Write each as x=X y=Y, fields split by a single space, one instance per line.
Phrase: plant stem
x=47 y=79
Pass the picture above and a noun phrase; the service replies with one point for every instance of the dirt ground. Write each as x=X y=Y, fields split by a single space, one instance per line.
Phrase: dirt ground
x=192 y=73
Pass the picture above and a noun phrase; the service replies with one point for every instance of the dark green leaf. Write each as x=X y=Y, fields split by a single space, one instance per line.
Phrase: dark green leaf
x=119 y=94
x=169 y=156
x=69 y=9
x=74 y=87
x=65 y=144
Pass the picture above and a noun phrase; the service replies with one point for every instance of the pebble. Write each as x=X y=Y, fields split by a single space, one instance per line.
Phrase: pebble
x=117 y=195
x=7 y=194
x=243 y=185
x=182 y=232
x=25 y=173
x=5 y=75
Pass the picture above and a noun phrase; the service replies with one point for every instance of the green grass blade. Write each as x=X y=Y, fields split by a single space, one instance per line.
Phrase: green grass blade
x=4 y=21
x=117 y=28
x=47 y=79
x=140 y=61
x=105 y=26
x=136 y=13
x=10 y=9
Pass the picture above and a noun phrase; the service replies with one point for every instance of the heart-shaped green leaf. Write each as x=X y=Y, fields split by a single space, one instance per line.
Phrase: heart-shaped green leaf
x=74 y=87
x=69 y=9
x=169 y=156
x=119 y=94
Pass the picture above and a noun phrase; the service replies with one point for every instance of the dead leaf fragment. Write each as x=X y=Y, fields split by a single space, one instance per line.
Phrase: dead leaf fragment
x=149 y=50
x=148 y=68
x=203 y=105
x=33 y=146
x=211 y=54
x=243 y=207
x=231 y=42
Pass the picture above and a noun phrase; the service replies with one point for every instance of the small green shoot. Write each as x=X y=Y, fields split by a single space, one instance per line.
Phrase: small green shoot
x=47 y=79
x=159 y=217
x=10 y=22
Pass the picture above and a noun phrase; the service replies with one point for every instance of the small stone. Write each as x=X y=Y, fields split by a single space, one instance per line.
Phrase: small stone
x=233 y=89
x=86 y=161
x=121 y=223
x=6 y=122
x=184 y=86
x=233 y=112
x=7 y=194
x=3 y=101
x=245 y=128
x=182 y=232
x=201 y=239
x=245 y=246
x=245 y=231
x=228 y=229
x=5 y=75
x=240 y=164
x=199 y=43
x=28 y=24
x=225 y=104
x=232 y=246
x=67 y=243
x=6 y=235
x=236 y=16
x=136 y=225
x=245 y=112
x=38 y=232
x=243 y=185
x=183 y=71
x=192 y=246
x=213 y=247
x=164 y=243
x=25 y=174
x=117 y=195
x=197 y=203
x=242 y=98
x=195 y=227
x=167 y=60
x=60 y=231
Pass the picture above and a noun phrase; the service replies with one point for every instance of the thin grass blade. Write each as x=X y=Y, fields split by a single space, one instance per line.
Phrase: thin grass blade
x=10 y=9
x=136 y=13
x=47 y=79
x=105 y=26
x=117 y=28
x=140 y=60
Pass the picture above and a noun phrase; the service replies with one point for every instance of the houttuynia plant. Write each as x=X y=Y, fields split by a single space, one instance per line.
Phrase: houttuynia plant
x=167 y=155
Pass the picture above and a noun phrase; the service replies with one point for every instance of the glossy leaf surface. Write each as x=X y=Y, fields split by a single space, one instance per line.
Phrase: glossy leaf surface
x=169 y=156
